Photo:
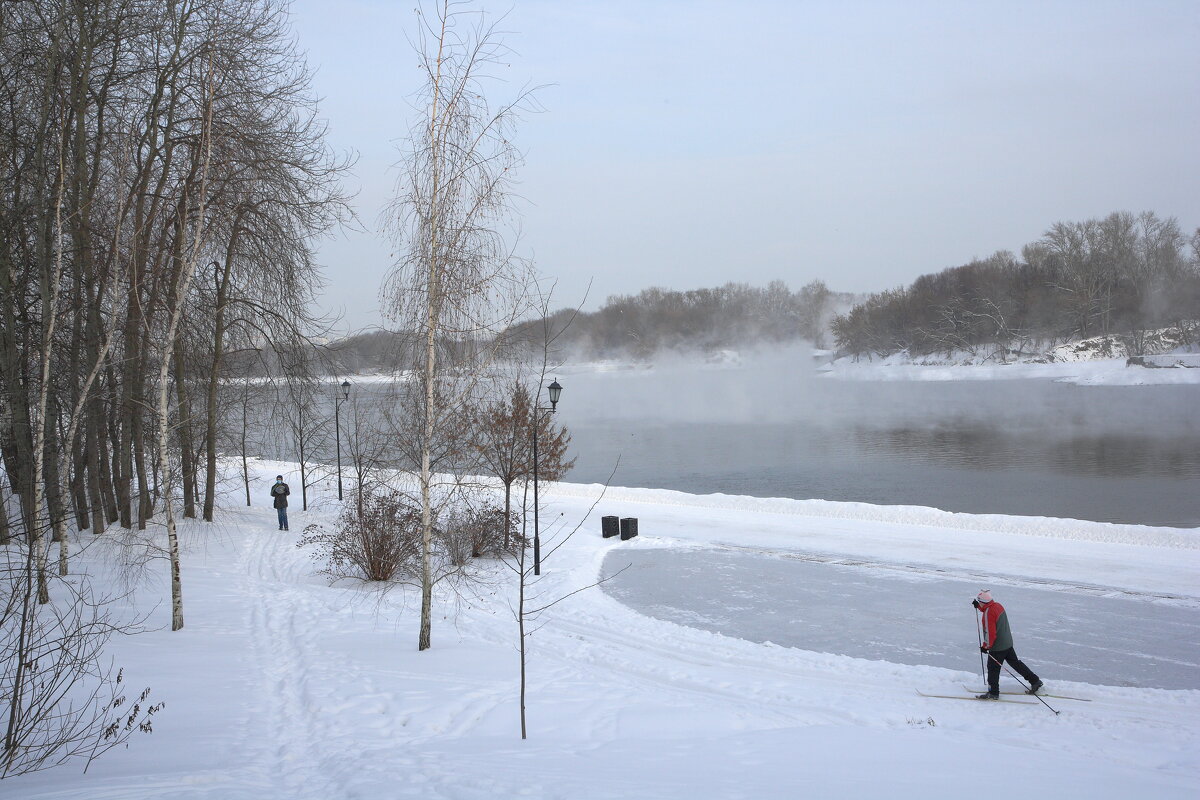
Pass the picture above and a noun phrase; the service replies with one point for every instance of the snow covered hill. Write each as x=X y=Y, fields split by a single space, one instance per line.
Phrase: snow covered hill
x=281 y=686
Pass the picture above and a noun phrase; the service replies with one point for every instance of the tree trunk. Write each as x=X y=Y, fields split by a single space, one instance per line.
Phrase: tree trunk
x=79 y=478
x=5 y=534
x=507 y=513
x=300 y=437
x=145 y=509
x=15 y=432
x=73 y=461
x=433 y=301
x=424 y=639
x=92 y=451
x=123 y=454
x=104 y=419
x=186 y=452
x=54 y=497
x=245 y=434
x=214 y=376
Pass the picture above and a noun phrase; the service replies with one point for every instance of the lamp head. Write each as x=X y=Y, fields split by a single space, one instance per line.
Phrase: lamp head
x=554 y=390
x=345 y=390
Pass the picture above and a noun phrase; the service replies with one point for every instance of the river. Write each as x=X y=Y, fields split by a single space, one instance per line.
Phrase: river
x=1128 y=454
x=772 y=427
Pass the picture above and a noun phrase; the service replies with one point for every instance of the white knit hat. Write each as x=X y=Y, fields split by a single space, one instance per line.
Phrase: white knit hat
x=984 y=596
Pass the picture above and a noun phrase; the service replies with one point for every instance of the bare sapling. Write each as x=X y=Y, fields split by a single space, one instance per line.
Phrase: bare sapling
x=456 y=282
x=63 y=699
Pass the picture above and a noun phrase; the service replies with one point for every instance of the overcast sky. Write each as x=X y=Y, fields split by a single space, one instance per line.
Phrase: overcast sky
x=689 y=144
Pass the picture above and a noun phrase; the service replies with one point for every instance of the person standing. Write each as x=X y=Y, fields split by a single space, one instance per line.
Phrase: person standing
x=280 y=492
x=998 y=644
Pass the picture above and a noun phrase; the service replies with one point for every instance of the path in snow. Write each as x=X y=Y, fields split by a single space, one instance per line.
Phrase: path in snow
x=281 y=617
x=911 y=616
x=333 y=711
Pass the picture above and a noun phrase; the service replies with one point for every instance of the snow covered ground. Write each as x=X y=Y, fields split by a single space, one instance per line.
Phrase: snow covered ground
x=281 y=686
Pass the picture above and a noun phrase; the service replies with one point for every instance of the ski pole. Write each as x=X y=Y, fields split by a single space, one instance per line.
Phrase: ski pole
x=1020 y=681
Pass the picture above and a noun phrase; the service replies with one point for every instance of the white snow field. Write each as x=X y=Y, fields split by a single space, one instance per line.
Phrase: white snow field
x=282 y=686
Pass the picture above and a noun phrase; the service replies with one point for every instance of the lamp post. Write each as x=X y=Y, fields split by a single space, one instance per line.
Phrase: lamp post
x=337 y=429
x=554 y=391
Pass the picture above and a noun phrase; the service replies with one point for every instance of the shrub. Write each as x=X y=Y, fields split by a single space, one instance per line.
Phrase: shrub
x=471 y=532
x=376 y=545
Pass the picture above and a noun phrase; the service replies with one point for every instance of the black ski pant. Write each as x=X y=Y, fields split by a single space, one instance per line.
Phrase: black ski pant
x=1009 y=656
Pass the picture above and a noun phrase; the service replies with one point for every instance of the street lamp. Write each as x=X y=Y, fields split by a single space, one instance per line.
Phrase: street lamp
x=554 y=391
x=337 y=429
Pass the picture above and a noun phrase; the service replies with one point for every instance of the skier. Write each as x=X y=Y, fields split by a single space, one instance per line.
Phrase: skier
x=280 y=492
x=998 y=644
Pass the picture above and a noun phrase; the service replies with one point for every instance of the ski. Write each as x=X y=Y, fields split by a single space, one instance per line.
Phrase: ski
x=1039 y=694
x=975 y=699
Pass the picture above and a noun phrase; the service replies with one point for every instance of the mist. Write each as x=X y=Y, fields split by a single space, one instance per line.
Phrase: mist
x=783 y=385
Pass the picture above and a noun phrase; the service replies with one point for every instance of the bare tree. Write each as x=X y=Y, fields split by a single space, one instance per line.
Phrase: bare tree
x=62 y=700
x=531 y=604
x=191 y=231
x=247 y=399
x=368 y=445
x=309 y=427
x=140 y=140
x=504 y=441
x=456 y=283
x=1154 y=273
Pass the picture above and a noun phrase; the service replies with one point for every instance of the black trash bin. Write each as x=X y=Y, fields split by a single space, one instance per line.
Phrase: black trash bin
x=628 y=528
x=610 y=526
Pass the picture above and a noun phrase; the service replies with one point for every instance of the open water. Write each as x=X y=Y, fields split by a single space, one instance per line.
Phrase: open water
x=1026 y=447
x=773 y=428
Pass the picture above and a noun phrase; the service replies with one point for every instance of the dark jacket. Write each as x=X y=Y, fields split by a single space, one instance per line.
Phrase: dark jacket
x=280 y=492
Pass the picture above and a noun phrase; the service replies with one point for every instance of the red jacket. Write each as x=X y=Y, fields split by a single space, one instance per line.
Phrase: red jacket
x=996 y=633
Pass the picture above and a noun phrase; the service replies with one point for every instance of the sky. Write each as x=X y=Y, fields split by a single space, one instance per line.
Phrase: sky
x=689 y=144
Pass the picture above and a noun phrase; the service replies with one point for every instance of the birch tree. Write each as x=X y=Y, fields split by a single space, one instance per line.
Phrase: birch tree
x=456 y=282
x=190 y=245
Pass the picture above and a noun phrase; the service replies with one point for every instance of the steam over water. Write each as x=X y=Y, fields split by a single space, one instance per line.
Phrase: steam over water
x=770 y=426
x=773 y=428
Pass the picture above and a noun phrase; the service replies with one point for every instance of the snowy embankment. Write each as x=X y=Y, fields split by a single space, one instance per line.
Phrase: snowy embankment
x=1136 y=558
x=281 y=686
x=1101 y=361
x=1105 y=372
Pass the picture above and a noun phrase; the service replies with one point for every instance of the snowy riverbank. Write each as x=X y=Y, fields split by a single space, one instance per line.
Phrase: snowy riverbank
x=1076 y=362
x=1104 y=372
x=281 y=686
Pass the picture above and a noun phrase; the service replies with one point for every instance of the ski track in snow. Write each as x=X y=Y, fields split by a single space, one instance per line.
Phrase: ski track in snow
x=283 y=651
x=603 y=640
x=644 y=665
x=315 y=701
x=337 y=703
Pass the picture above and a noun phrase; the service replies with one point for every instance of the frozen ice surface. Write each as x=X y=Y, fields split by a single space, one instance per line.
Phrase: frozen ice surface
x=879 y=612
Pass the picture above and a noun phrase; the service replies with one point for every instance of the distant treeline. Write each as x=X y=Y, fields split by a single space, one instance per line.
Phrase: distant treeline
x=704 y=320
x=732 y=316
x=363 y=353
x=1122 y=275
